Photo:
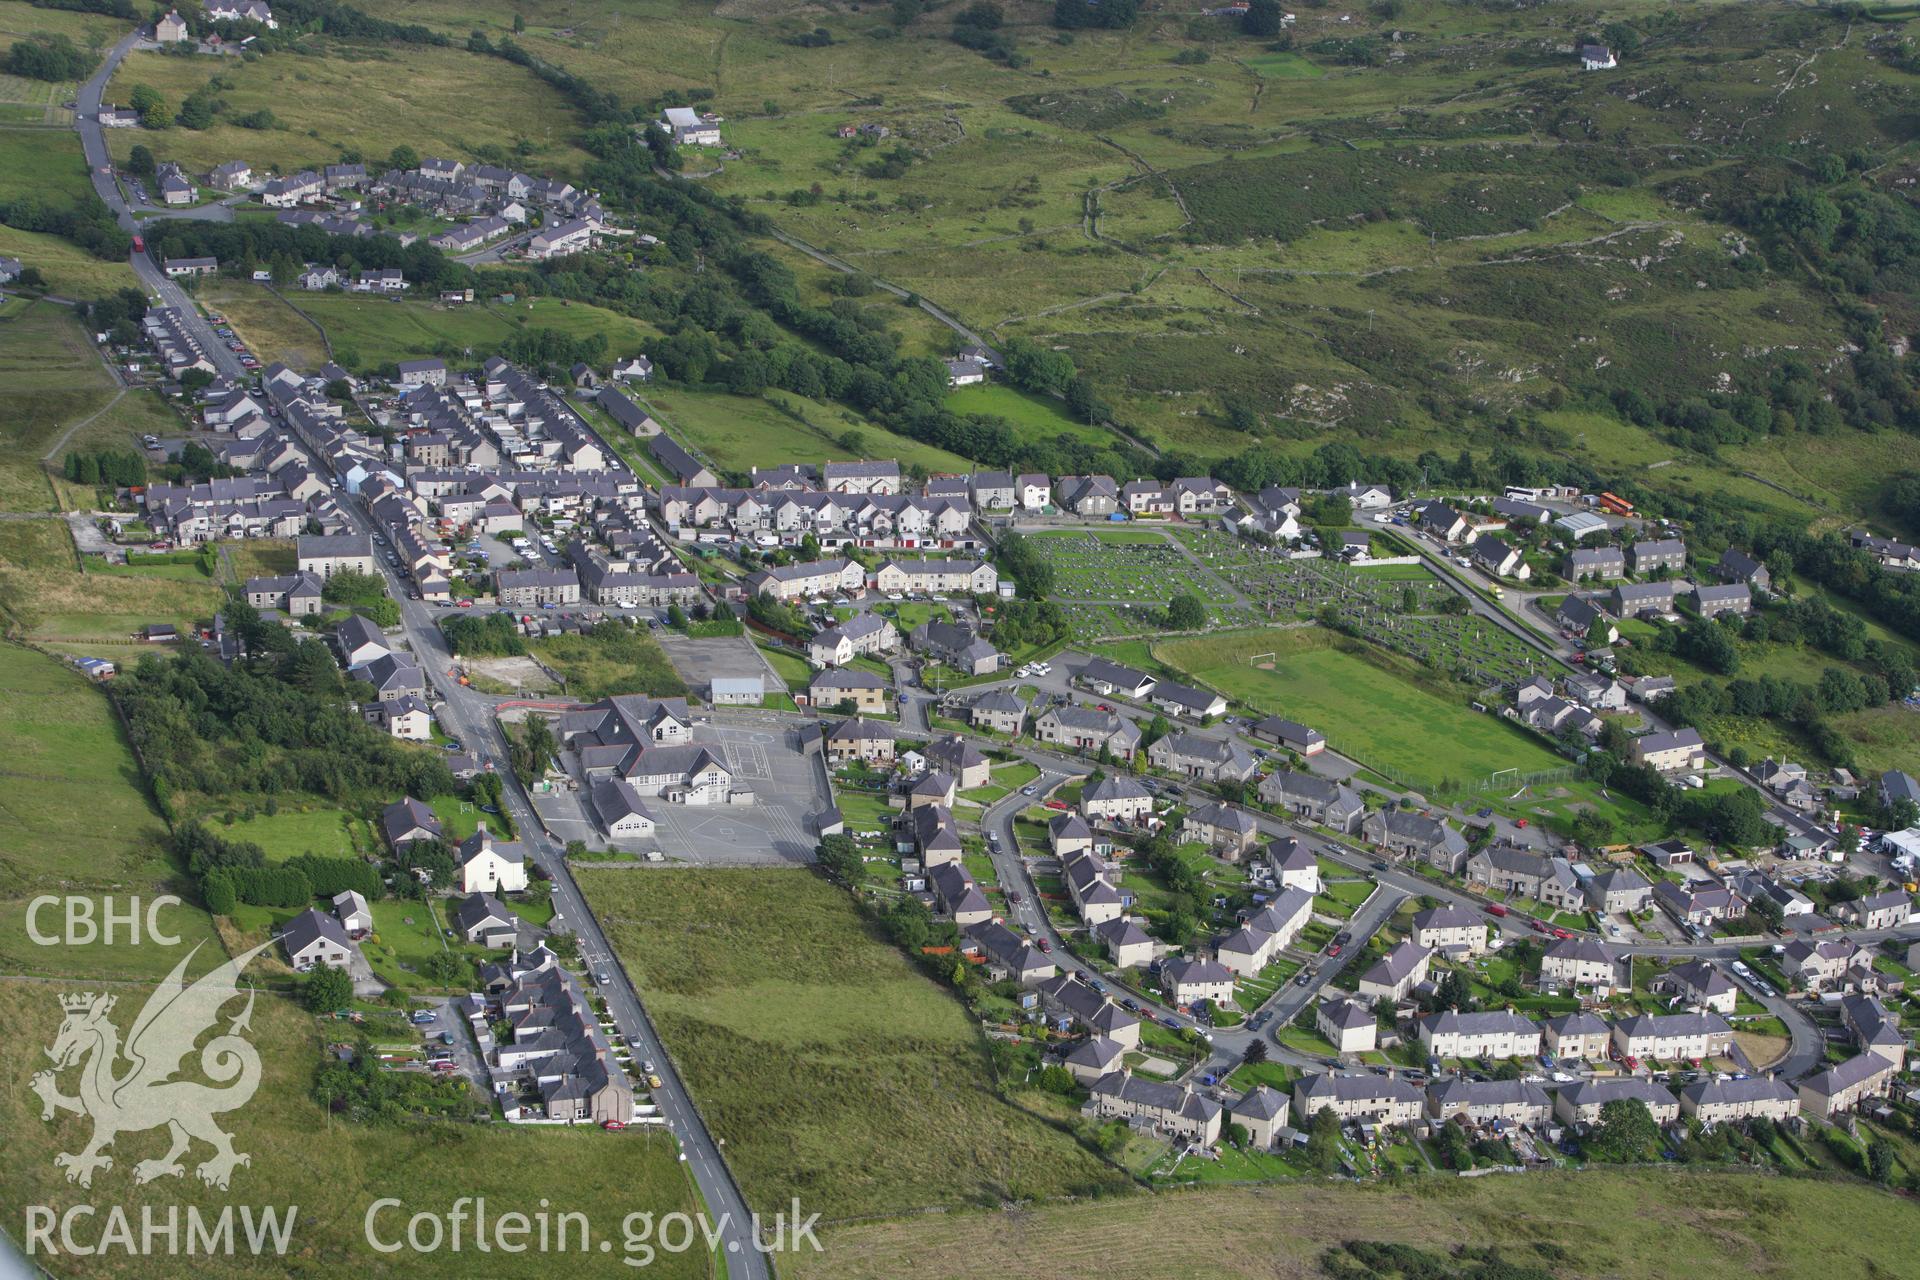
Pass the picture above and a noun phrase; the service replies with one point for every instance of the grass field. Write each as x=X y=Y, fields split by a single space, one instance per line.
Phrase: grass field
x=52 y=379
x=292 y=832
x=832 y=1070
x=372 y=98
x=1365 y=709
x=375 y=331
x=53 y=603
x=1035 y=416
x=741 y=432
x=77 y=820
x=1652 y=1226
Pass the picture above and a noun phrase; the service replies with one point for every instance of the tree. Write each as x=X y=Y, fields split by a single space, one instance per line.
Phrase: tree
x=840 y=858
x=1880 y=1161
x=1185 y=612
x=1256 y=1053
x=404 y=157
x=1323 y=1140
x=1599 y=633
x=327 y=990
x=1453 y=992
x=140 y=161
x=1626 y=1133
x=1262 y=18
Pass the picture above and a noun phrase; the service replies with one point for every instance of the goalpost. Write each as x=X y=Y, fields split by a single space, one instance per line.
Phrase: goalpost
x=1254 y=661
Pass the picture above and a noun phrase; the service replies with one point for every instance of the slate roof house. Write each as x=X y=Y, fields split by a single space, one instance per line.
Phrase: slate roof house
x=1198 y=755
x=1322 y=801
x=1406 y=834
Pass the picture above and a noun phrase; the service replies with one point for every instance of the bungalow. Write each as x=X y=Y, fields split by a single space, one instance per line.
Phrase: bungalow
x=1499 y=558
x=1151 y=1104
x=1493 y=1033
x=1290 y=734
x=1442 y=521
x=1396 y=973
x=1319 y=800
x=1348 y=1025
x=313 y=940
x=407 y=821
x=179 y=267
x=1358 y=1096
x=1197 y=755
x=1722 y=1100
x=1482 y=1102
x=622 y=812
x=1841 y=1088
x=481 y=920
x=1110 y=679
x=1225 y=829
x=685 y=469
x=1183 y=700
x=1670 y=1037
x=1579 y=611
x=1450 y=929
x=1116 y=798
x=1581 y=1101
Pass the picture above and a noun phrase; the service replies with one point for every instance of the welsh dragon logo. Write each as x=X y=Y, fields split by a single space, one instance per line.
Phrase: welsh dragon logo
x=144 y=1095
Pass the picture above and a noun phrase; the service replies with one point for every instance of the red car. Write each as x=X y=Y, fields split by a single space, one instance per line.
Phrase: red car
x=1630 y=1062
x=1561 y=934
x=1496 y=910
x=613 y=1125
x=1014 y=898
x=466 y=604
x=1333 y=949
x=1045 y=946
x=1537 y=926
x=1057 y=804
x=1521 y=823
